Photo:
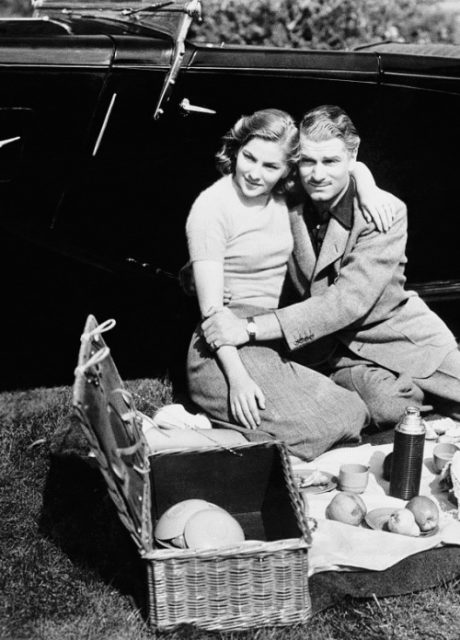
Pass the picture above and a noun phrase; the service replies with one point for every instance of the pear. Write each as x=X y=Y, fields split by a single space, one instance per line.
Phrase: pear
x=403 y=521
x=426 y=512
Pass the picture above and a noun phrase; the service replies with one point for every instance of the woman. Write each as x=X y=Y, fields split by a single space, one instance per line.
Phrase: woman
x=238 y=233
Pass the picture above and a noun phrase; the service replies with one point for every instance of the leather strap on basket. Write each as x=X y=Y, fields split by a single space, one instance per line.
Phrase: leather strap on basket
x=109 y=418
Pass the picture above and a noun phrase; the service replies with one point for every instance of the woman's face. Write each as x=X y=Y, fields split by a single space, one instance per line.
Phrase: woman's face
x=260 y=164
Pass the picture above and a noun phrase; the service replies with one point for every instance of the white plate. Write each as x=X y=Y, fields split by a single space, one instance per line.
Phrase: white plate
x=172 y=522
x=211 y=529
x=315 y=489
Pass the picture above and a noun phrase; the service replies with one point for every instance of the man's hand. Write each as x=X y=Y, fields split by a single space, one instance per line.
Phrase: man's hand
x=246 y=398
x=222 y=327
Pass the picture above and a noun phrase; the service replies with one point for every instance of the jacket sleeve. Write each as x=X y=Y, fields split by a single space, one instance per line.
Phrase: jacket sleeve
x=365 y=272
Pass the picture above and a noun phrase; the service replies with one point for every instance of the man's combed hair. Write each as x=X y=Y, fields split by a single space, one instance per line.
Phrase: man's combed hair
x=272 y=125
x=330 y=121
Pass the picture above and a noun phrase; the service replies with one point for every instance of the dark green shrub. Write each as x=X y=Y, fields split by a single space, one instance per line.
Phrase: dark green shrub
x=317 y=24
x=15 y=8
x=322 y=24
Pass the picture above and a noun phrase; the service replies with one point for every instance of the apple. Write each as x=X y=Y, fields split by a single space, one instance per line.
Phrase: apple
x=425 y=511
x=346 y=507
x=403 y=521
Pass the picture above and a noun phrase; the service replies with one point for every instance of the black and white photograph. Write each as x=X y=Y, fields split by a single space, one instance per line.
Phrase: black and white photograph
x=230 y=392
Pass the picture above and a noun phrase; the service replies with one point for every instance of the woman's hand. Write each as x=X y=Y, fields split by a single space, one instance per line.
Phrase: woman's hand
x=379 y=207
x=246 y=398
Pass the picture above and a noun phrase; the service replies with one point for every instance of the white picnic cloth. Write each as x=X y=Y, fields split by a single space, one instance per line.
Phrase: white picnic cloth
x=341 y=547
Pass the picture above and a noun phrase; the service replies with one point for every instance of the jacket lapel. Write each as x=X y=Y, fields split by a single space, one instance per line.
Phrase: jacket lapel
x=334 y=245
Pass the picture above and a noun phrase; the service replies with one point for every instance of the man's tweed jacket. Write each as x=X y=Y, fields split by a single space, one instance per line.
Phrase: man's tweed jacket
x=366 y=306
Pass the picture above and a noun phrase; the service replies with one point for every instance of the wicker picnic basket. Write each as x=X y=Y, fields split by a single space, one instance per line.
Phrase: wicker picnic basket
x=263 y=581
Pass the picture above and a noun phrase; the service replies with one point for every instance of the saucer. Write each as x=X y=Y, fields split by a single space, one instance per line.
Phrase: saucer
x=315 y=489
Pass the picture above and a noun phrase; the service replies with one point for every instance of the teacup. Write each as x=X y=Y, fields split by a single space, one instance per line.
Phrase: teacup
x=353 y=477
x=442 y=454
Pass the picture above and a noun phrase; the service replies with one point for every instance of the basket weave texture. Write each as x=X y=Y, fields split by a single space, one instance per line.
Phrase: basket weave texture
x=231 y=590
x=258 y=583
x=261 y=582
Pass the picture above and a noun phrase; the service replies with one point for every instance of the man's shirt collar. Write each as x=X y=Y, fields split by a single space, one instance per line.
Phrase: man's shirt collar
x=343 y=209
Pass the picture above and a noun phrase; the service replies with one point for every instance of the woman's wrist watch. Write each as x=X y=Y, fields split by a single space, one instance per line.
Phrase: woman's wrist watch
x=251 y=328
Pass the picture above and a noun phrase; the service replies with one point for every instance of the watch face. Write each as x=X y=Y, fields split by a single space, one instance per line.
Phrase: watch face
x=251 y=328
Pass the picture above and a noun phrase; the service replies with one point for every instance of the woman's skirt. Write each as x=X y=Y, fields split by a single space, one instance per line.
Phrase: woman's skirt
x=304 y=408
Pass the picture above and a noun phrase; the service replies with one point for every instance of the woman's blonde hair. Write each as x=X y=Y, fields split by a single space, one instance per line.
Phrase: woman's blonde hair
x=273 y=125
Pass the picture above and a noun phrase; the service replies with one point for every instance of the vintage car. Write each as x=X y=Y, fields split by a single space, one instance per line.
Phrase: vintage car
x=109 y=121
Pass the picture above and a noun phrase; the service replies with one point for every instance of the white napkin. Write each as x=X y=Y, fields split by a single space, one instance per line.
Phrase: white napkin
x=340 y=546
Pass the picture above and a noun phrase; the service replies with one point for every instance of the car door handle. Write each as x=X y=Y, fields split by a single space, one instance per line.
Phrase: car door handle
x=6 y=141
x=192 y=108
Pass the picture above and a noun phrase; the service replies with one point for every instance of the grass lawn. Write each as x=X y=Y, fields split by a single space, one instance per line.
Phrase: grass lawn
x=69 y=570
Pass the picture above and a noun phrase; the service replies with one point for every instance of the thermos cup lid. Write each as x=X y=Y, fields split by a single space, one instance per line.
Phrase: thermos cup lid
x=411 y=422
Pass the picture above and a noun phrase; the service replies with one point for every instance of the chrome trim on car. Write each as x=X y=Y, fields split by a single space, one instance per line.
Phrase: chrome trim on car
x=104 y=125
x=193 y=12
x=6 y=141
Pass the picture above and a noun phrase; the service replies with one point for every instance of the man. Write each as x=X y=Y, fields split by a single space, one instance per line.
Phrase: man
x=355 y=321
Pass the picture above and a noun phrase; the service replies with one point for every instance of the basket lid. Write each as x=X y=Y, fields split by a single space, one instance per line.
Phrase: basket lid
x=107 y=413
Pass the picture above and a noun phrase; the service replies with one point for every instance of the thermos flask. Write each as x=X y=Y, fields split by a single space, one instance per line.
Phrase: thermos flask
x=407 y=459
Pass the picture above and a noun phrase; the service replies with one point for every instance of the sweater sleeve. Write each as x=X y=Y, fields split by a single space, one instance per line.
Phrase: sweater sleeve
x=207 y=229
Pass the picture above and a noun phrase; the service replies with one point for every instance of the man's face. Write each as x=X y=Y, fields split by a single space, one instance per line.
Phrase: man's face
x=324 y=167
